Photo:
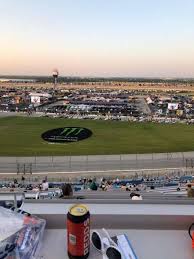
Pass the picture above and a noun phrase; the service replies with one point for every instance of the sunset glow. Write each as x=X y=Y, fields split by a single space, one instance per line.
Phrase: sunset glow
x=97 y=38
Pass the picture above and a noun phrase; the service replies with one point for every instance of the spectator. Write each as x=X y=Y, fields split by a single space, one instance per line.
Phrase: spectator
x=67 y=190
x=104 y=187
x=93 y=186
x=23 y=178
x=190 y=191
x=45 y=185
x=123 y=187
x=36 y=189
x=135 y=196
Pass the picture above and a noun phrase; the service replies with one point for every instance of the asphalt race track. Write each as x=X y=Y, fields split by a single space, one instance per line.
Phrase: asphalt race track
x=67 y=164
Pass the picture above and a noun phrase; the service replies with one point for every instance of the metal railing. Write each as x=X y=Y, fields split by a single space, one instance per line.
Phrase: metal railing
x=28 y=165
x=8 y=196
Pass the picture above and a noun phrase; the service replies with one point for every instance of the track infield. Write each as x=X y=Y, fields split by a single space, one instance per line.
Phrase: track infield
x=21 y=136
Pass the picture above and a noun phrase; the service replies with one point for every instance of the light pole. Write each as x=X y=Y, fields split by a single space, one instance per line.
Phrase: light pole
x=55 y=77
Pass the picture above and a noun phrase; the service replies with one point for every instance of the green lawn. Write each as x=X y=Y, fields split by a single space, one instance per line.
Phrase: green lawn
x=20 y=136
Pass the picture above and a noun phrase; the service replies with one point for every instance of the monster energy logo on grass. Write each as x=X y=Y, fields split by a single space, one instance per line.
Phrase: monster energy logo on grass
x=67 y=134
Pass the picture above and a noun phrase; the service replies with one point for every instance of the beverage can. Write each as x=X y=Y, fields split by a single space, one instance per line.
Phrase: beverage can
x=78 y=232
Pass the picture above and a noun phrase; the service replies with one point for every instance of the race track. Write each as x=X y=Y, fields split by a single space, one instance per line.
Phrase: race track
x=66 y=164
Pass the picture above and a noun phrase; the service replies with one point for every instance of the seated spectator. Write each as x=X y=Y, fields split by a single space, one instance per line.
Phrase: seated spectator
x=104 y=187
x=36 y=188
x=123 y=187
x=45 y=185
x=67 y=190
x=93 y=186
x=190 y=191
x=135 y=196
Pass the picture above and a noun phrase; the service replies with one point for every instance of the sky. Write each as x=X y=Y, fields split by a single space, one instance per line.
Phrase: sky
x=127 y=38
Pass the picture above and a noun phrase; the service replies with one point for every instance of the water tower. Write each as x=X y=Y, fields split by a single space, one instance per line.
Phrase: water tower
x=55 y=77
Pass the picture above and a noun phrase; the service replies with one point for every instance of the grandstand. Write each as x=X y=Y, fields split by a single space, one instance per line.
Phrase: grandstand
x=164 y=221
x=163 y=215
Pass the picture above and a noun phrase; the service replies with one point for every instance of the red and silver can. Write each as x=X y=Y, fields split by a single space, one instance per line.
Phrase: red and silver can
x=78 y=232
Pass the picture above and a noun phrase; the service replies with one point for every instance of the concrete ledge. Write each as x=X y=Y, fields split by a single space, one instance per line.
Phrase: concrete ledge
x=117 y=201
x=118 y=216
x=176 y=222
x=148 y=244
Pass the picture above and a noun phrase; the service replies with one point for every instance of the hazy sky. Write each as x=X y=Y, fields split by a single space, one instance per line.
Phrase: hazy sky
x=97 y=37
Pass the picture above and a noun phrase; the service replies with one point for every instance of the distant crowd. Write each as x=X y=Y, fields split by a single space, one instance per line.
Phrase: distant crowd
x=134 y=187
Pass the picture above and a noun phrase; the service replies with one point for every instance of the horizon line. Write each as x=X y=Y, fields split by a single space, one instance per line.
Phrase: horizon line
x=106 y=77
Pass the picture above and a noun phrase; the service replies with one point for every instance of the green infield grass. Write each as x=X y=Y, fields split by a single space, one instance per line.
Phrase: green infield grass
x=21 y=136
